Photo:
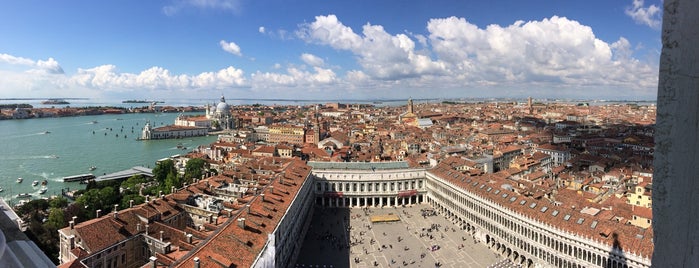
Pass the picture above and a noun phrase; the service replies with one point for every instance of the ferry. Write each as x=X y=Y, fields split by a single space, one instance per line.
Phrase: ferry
x=19 y=180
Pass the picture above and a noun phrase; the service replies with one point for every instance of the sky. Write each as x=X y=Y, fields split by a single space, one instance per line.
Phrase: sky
x=322 y=49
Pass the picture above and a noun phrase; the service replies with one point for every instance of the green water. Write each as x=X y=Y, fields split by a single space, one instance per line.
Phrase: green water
x=71 y=148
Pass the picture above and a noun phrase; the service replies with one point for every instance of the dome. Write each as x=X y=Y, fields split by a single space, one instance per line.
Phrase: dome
x=222 y=107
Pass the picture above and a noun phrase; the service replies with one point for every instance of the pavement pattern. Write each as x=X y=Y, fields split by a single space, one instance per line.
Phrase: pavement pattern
x=345 y=237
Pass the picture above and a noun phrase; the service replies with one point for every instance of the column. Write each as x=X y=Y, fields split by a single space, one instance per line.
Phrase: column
x=676 y=163
x=322 y=201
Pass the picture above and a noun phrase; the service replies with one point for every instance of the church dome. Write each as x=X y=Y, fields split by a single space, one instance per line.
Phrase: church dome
x=222 y=107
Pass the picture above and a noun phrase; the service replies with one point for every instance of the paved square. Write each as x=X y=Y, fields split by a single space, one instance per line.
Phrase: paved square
x=344 y=237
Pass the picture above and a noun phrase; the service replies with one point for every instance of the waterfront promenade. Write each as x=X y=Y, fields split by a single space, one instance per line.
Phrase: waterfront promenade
x=343 y=237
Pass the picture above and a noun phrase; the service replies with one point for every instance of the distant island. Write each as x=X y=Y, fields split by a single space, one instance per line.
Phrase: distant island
x=55 y=101
x=141 y=101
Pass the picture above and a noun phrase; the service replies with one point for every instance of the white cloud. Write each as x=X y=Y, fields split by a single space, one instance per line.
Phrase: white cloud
x=261 y=29
x=230 y=47
x=50 y=65
x=650 y=15
x=381 y=54
x=312 y=60
x=294 y=77
x=178 y=5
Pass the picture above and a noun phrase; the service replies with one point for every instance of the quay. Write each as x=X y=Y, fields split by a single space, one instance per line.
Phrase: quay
x=81 y=178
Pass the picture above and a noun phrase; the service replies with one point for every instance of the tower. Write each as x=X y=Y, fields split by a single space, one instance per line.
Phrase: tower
x=531 y=109
x=410 y=105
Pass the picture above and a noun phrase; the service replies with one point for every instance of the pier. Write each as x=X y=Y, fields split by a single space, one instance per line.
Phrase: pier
x=81 y=178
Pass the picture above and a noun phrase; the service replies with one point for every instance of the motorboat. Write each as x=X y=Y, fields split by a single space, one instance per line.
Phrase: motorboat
x=43 y=190
x=92 y=168
x=24 y=195
x=19 y=180
x=47 y=132
x=1 y=189
x=35 y=183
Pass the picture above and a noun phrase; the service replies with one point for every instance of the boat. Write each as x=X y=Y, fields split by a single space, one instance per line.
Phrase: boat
x=19 y=180
x=55 y=101
x=44 y=182
x=93 y=122
x=53 y=156
x=35 y=183
x=24 y=195
x=46 y=132
x=92 y=168
x=43 y=190
x=1 y=189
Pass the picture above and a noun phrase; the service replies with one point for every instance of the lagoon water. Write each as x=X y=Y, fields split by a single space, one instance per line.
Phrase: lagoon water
x=71 y=148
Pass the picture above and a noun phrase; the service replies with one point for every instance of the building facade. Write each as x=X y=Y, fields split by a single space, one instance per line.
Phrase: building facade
x=286 y=133
x=171 y=132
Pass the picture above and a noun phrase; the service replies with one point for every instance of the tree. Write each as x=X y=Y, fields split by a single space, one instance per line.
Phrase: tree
x=56 y=219
x=194 y=169
x=58 y=202
x=162 y=169
x=133 y=183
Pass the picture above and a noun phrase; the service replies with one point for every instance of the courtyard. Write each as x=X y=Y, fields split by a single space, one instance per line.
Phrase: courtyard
x=346 y=237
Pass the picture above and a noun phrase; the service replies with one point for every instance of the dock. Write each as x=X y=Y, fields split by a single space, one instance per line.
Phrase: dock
x=81 y=177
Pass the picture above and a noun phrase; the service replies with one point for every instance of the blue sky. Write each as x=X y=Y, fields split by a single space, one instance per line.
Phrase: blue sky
x=329 y=49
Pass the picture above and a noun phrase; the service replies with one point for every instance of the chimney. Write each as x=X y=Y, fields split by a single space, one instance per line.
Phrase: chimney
x=247 y=208
x=98 y=212
x=71 y=224
x=131 y=203
x=153 y=261
x=116 y=211
x=263 y=197
x=138 y=227
x=146 y=228
x=196 y=262
x=241 y=222
x=75 y=219
x=161 y=236
x=271 y=189
x=172 y=189
x=147 y=198
x=160 y=193
x=189 y=238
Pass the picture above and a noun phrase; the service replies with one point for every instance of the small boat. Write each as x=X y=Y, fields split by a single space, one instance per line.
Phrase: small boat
x=1 y=189
x=24 y=195
x=19 y=180
x=43 y=190
x=44 y=182
x=92 y=168
x=35 y=183
x=47 y=132
x=53 y=156
x=93 y=122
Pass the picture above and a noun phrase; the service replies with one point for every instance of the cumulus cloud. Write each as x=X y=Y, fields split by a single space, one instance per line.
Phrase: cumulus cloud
x=649 y=16
x=385 y=56
x=261 y=29
x=156 y=78
x=553 y=52
x=50 y=65
x=178 y=5
x=312 y=60
x=230 y=47
x=294 y=77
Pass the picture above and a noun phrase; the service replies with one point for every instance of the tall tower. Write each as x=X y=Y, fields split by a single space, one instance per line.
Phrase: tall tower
x=531 y=109
x=410 y=105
